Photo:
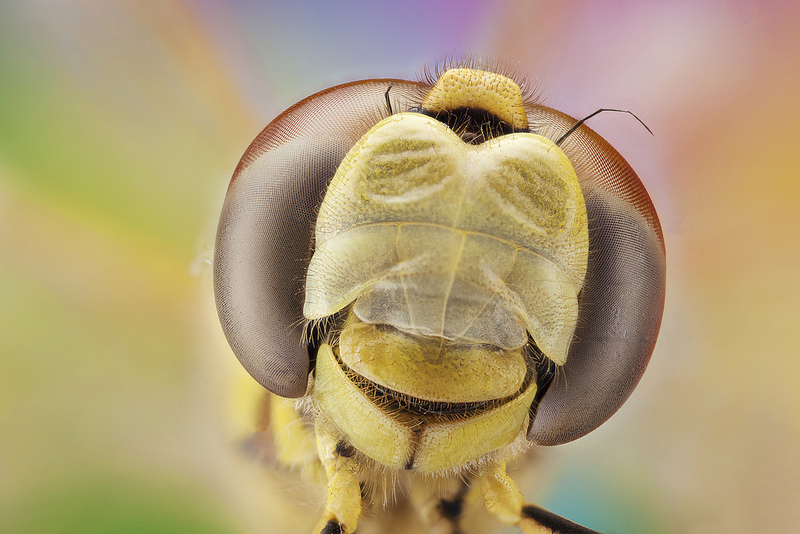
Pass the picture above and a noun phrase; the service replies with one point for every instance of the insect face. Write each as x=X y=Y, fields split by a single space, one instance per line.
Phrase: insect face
x=460 y=259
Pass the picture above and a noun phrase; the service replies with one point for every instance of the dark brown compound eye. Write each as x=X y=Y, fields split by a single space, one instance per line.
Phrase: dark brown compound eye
x=265 y=239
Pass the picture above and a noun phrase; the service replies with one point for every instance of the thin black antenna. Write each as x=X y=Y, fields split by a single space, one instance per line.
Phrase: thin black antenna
x=578 y=124
x=389 y=103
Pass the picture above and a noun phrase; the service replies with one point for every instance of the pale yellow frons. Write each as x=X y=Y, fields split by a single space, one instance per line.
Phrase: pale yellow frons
x=474 y=244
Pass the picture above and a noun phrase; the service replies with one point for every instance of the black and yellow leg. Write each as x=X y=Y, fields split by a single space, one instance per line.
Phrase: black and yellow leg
x=343 y=503
x=441 y=505
x=503 y=499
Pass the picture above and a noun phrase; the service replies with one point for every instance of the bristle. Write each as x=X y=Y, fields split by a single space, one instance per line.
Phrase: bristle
x=429 y=76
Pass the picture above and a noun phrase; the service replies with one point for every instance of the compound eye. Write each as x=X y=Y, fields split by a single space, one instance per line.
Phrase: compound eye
x=622 y=300
x=264 y=237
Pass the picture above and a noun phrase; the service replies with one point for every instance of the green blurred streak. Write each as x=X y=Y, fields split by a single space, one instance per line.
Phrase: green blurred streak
x=109 y=505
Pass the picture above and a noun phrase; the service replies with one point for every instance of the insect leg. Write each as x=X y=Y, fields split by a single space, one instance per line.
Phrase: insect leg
x=343 y=503
x=549 y=523
x=440 y=508
x=294 y=439
x=504 y=500
x=501 y=495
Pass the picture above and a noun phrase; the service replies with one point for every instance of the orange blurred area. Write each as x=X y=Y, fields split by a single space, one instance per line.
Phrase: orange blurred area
x=121 y=123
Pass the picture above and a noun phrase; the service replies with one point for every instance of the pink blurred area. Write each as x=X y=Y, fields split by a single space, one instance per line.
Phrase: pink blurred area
x=121 y=122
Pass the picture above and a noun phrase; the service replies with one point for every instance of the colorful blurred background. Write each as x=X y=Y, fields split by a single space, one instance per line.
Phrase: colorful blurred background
x=121 y=123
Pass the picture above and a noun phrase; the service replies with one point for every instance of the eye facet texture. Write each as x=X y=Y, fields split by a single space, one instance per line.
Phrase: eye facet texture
x=623 y=295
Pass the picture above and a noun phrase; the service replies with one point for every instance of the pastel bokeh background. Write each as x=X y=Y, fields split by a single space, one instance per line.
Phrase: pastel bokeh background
x=121 y=122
